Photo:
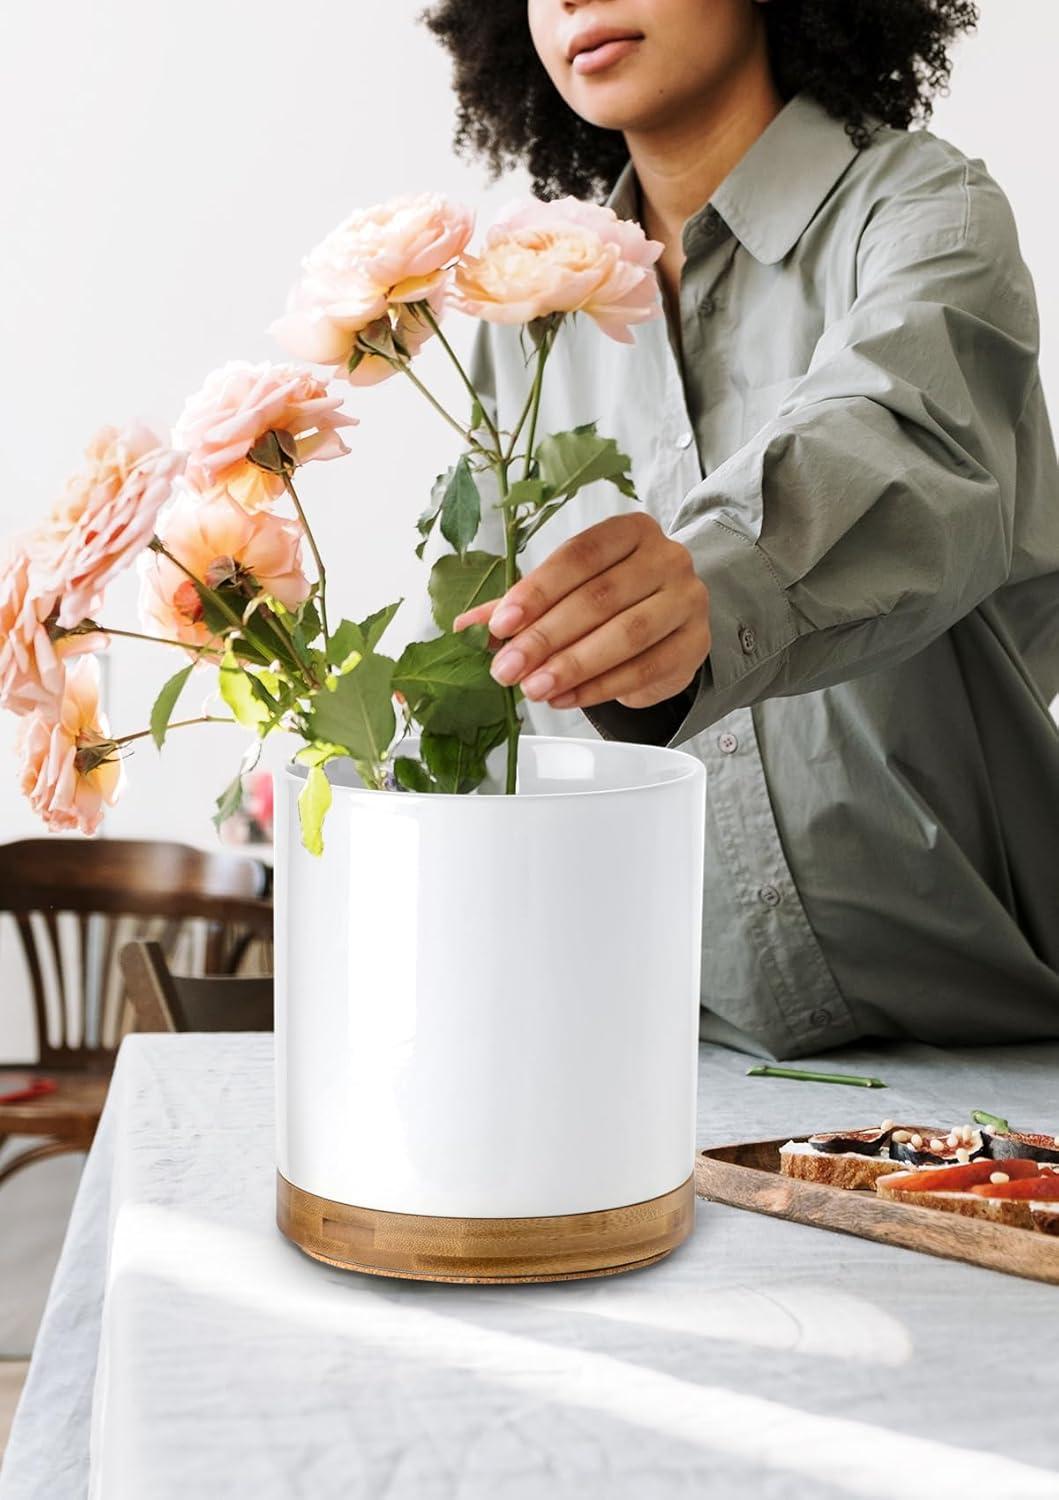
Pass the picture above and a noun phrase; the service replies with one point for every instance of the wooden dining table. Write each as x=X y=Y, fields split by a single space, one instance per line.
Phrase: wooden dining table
x=188 y=1350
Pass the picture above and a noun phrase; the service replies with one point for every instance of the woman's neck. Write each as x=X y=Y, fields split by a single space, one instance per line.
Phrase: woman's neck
x=681 y=164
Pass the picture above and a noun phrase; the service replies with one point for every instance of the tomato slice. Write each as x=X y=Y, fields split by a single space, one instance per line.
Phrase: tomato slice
x=1043 y=1188
x=953 y=1179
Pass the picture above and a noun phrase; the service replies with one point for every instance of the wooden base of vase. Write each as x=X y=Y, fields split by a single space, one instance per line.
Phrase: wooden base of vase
x=420 y=1247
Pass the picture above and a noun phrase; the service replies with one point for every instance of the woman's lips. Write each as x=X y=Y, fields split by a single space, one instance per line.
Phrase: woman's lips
x=595 y=59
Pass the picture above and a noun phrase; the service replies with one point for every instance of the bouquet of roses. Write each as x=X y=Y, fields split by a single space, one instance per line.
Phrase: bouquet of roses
x=217 y=528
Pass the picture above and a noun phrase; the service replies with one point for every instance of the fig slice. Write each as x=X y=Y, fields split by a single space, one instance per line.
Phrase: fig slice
x=1005 y=1144
x=923 y=1156
x=868 y=1142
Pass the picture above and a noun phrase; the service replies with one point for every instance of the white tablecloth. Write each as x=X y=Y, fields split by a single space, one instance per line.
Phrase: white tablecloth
x=189 y=1351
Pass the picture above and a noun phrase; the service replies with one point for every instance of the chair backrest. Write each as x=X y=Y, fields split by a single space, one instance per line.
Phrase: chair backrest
x=162 y=1001
x=74 y=901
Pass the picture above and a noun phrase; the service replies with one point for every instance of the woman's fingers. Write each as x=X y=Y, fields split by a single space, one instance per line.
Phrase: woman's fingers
x=661 y=671
x=476 y=616
x=624 y=637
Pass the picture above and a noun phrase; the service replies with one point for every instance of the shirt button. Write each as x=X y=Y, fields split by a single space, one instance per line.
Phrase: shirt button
x=747 y=637
x=728 y=743
x=821 y=1017
x=684 y=440
x=768 y=895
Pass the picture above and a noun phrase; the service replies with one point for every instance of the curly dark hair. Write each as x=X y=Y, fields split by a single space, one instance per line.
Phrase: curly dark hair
x=856 y=57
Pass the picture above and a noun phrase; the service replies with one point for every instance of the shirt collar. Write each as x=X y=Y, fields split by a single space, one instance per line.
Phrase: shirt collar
x=771 y=194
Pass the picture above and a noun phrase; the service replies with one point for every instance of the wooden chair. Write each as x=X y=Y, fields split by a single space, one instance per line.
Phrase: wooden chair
x=162 y=1001
x=73 y=901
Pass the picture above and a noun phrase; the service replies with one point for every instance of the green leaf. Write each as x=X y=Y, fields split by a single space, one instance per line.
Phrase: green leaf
x=531 y=492
x=317 y=754
x=248 y=700
x=166 y=702
x=461 y=508
x=352 y=638
x=448 y=685
x=347 y=641
x=459 y=583
x=216 y=619
x=477 y=415
x=357 y=711
x=373 y=627
x=313 y=801
x=570 y=460
x=425 y=524
x=308 y=626
x=412 y=774
x=229 y=802
x=456 y=765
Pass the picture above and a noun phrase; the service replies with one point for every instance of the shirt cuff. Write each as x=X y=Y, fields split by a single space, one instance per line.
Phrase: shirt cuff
x=752 y=627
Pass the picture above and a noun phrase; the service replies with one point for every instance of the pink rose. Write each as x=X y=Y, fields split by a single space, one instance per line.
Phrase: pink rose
x=70 y=765
x=106 y=516
x=237 y=406
x=223 y=546
x=562 y=257
x=31 y=661
x=368 y=268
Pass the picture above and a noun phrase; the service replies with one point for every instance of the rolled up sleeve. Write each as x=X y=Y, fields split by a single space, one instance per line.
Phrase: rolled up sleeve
x=876 y=508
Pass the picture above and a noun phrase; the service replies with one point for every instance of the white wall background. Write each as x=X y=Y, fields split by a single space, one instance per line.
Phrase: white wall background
x=164 y=168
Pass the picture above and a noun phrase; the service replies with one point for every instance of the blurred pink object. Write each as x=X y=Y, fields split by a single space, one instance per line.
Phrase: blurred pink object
x=259 y=799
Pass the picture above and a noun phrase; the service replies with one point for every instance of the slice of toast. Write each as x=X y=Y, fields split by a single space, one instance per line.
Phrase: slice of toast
x=844 y=1169
x=955 y=1201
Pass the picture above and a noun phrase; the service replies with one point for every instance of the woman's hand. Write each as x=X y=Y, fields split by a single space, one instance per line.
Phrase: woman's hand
x=616 y=612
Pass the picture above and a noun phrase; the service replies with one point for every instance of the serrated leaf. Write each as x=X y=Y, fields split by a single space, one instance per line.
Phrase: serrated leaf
x=532 y=492
x=412 y=774
x=314 y=799
x=356 y=710
x=447 y=683
x=248 y=700
x=373 y=627
x=346 y=641
x=570 y=460
x=461 y=508
x=459 y=583
x=166 y=702
x=456 y=765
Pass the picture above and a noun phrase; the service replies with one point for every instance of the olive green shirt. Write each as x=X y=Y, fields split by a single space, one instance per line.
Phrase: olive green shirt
x=854 y=446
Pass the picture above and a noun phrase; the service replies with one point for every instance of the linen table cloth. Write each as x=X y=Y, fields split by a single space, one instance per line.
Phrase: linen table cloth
x=188 y=1350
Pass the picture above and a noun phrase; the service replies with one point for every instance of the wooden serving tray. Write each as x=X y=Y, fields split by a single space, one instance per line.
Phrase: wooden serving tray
x=747 y=1175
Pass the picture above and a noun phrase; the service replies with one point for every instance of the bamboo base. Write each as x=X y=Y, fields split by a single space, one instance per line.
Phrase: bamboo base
x=419 y=1247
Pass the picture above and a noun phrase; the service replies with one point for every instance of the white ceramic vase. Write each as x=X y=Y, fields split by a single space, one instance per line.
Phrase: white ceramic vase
x=487 y=1017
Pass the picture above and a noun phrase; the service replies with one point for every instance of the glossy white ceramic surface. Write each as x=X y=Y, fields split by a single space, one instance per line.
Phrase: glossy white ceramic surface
x=487 y=1006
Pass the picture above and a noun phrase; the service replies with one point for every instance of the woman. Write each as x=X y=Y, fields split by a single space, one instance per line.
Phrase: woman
x=841 y=587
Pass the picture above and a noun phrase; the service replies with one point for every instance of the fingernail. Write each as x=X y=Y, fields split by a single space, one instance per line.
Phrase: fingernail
x=539 y=685
x=507 y=665
x=564 y=700
x=506 y=619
